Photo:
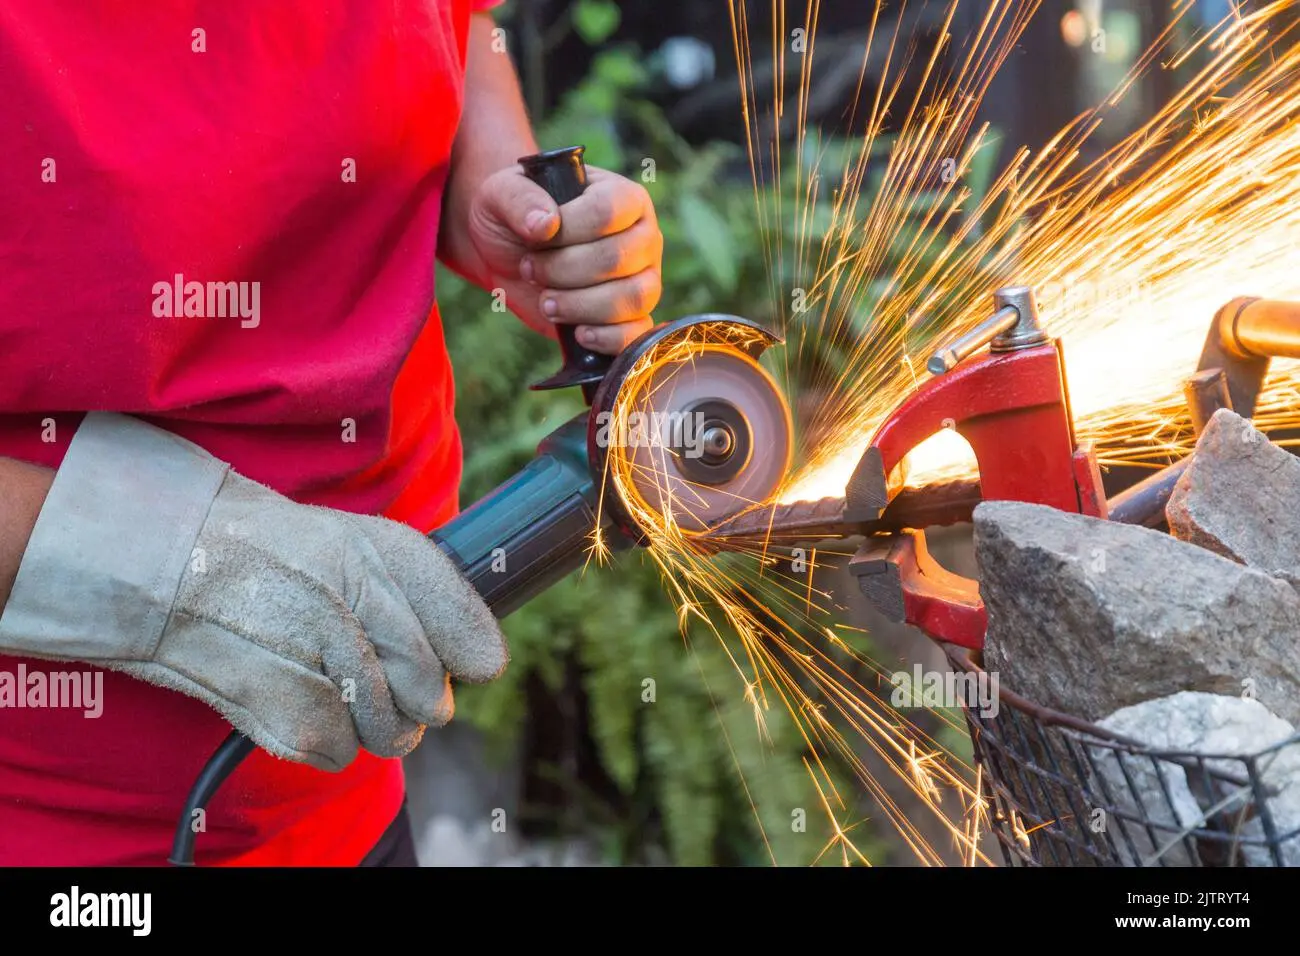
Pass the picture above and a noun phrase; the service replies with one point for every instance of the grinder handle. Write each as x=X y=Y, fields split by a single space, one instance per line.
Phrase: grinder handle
x=563 y=174
x=535 y=528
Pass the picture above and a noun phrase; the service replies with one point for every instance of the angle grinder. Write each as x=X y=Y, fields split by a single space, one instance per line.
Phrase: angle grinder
x=684 y=430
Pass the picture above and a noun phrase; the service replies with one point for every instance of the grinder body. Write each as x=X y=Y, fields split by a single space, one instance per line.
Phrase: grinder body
x=536 y=527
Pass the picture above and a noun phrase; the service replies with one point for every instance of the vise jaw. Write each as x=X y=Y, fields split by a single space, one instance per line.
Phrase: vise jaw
x=1012 y=406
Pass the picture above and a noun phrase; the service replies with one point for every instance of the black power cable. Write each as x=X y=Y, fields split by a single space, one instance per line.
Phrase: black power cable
x=222 y=763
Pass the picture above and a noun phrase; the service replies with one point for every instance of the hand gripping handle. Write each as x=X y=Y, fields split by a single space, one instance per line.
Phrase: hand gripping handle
x=563 y=174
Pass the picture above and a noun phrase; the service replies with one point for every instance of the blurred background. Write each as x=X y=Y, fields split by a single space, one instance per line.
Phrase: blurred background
x=568 y=759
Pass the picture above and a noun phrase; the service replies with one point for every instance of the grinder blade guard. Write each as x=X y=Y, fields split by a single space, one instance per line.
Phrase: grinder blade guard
x=688 y=428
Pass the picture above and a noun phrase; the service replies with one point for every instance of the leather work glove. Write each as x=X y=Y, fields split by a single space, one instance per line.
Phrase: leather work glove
x=313 y=631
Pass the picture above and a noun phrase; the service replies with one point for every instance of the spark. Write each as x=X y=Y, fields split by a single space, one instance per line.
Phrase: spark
x=840 y=834
x=977 y=818
x=1019 y=833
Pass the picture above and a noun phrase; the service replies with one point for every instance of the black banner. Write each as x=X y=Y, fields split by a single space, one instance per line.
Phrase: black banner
x=211 y=906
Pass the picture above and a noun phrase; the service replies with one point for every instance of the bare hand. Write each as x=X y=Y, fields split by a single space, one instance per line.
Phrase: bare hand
x=599 y=266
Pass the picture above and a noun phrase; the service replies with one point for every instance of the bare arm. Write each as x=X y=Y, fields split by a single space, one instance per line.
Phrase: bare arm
x=23 y=488
x=494 y=132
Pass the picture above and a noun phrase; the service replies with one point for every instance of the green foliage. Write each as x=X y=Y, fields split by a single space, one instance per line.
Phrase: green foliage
x=595 y=20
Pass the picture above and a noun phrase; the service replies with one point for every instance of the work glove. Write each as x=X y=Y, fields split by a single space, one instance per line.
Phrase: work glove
x=313 y=631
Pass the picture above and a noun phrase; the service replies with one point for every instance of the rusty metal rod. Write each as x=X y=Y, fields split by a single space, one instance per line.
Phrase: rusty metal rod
x=1144 y=503
x=929 y=506
x=950 y=502
x=1206 y=392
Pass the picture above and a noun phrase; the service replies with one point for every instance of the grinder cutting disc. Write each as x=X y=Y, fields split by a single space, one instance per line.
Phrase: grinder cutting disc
x=720 y=436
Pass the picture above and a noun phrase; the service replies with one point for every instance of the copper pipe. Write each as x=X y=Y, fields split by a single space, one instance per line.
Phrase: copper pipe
x=1260 y=328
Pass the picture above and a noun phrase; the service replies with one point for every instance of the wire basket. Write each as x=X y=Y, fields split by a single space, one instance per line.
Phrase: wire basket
x=1064 y=792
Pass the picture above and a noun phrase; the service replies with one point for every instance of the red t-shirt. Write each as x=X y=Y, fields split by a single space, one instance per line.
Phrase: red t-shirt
x=299 y=150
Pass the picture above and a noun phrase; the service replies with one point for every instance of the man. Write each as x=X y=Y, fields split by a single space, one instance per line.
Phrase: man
x=218 y=236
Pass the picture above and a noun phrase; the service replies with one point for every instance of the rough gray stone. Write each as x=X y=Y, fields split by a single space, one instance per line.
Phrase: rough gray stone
x=1240 y=497
x=1089 y=616
x=1163 y=792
